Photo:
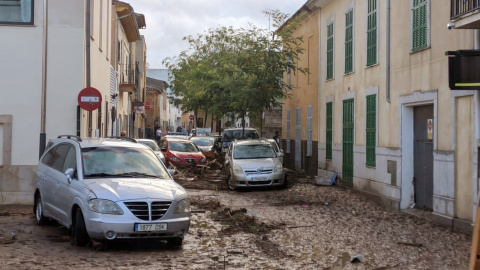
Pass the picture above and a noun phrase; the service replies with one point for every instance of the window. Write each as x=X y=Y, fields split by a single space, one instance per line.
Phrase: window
x=48 y=156
x=59 y=157
x=372 y=33
x=419 y=25
x=310 y=59
x=349 y=41
x=371 y=129
x=287 y=146
x=330 y=51
x=16 y=12
x=309 y=130
x=70 y=160
x=329 y=131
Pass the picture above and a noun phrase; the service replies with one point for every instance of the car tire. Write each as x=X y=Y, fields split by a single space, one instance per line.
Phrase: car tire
x=230 y=185
x=40 y=219
x=175 y=242
x=80 y=235
x=285 y=182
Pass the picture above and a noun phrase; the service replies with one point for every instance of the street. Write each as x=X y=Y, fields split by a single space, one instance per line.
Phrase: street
x=302 y=227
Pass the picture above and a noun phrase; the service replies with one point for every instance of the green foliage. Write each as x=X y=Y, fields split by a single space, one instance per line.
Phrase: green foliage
x=236 y=71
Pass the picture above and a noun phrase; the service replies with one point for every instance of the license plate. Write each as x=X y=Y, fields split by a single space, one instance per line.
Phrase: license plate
x=259 y=178
x=151 y=227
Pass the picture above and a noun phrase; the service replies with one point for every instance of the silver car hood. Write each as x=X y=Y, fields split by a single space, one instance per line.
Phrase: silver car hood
x=120 y=189
x=266 y=163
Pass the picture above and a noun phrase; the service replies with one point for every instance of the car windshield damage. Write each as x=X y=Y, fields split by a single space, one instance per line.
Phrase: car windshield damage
x=199 y=141
x=232 y=135
x=254 y=151
x=121 y=162
x=182 y=146
x=150 y=144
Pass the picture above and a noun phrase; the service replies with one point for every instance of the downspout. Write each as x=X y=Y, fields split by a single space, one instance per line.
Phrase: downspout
x=87 y=60
x=388 y=53
x=43 y=137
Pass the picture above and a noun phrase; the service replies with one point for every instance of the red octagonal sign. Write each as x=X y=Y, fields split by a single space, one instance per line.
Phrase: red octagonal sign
x=89 y=99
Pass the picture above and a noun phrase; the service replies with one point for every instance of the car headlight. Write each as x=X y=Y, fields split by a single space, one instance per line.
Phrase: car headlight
x=279 y=167
x=105 y=207
x=182 y=206
x=174 y=159
x=237 y=169
x=203 y=160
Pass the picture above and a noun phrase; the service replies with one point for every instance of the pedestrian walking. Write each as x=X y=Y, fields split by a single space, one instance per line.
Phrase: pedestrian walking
x=148 y=130
x=276 y=138
x=158 y=134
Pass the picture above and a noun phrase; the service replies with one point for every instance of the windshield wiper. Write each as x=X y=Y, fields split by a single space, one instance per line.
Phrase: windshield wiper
x=99 y=174
x=133 y=174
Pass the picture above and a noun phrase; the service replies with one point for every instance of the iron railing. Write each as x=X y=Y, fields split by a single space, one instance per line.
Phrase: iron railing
x=128 y=74
x=461 y=7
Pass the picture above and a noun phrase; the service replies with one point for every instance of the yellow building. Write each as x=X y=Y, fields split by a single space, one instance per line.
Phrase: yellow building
x=388 y=123
x=300 y=111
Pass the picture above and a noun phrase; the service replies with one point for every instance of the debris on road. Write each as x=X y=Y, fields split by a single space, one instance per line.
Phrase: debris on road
x=357 y=259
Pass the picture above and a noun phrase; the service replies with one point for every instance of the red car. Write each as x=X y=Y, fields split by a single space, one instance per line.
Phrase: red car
x=179 y=151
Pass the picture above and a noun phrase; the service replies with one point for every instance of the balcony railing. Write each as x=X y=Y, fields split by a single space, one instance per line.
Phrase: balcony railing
x=128 y=78
x=459 y=8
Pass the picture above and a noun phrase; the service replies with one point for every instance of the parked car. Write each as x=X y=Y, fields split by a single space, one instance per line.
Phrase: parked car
x=231 y=134
x=277 y=149
x=208 y=143
x=106 y=189
x=253 y=163
x=179 y=151
x=183 y=135
x=154 y=146
x=201 y=132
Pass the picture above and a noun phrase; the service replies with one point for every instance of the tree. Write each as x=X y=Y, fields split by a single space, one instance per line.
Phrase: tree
x=237 y=71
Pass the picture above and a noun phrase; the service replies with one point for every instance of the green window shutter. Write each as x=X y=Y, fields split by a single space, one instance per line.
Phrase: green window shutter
x=372 y=33
x=419 y=24
x=330 y=51
x=329 y=131
x=349 y=41
x=371 y=129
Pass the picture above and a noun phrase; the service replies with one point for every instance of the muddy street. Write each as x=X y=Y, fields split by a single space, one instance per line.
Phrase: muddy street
x=302 y=227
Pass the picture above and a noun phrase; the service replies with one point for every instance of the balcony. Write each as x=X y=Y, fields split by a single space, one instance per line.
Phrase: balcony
x=465 y=13
x=128 y=79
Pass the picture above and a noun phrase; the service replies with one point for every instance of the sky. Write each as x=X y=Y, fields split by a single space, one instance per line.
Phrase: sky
x=168 y=21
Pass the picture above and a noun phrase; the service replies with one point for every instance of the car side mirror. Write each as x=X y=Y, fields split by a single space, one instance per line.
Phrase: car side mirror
x=69 y=174
x=281 y=154
x=163 y=149
x=281 y=151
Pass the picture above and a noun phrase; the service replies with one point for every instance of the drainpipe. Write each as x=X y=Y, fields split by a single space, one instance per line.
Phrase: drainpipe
x=87 y=60
x=388 y=53
x=43 y=137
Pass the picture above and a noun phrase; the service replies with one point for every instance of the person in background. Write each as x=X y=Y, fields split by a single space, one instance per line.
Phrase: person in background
x=148 y=130
x=158 y=134
x=123 y=134
x=179 y=129
x=276 y=138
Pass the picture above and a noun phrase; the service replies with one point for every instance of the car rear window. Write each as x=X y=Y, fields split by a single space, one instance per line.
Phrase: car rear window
x=202 y=141
x=231 y=135
x=254 y=151
x=150 y=144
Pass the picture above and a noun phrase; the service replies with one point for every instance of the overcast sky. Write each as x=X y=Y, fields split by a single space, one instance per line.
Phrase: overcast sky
x=168 y=21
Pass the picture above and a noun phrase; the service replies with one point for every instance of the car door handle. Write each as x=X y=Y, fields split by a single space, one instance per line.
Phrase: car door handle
x=44 y=179
x=57 y=185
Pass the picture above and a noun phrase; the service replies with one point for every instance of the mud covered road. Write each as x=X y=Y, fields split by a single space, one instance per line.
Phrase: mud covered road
x=302 y=227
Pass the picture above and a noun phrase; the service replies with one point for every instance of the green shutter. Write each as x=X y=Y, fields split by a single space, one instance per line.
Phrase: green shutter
x=419 y=24
x=371 y=129
x=329 y=131
x=348 y=141
x=372 y=33
x=330 y=51
x=349 y=41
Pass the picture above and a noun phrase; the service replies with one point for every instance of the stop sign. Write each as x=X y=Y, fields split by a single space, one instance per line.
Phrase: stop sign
x=89 y=99
x=191 y=117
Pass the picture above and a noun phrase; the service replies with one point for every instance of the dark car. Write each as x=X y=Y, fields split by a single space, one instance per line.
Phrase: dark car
x=208 y=143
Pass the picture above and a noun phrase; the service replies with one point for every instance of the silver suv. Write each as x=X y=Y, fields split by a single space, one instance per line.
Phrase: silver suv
x=105 y=189
x=253 y=163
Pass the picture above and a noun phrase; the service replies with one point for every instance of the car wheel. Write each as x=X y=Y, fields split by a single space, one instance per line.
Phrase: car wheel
x=80 y=235
x=285 y=182
x=230 y=184
x=39 y=210
x=175 y=242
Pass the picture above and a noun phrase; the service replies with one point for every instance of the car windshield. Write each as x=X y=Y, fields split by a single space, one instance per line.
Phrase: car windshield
x=253 y=151
x=275 y=146
x=202 y=141
x=203 y=131
x=182 y=146
x=109 y=161
x=231 y=135
x=151 y=144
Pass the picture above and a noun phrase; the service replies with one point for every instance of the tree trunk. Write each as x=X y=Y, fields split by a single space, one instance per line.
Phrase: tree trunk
x=261 y=124
x=206 y=116
x=243 y=126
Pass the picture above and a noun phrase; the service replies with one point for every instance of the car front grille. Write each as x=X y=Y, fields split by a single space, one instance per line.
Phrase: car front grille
x=260 y=183
x=190 y=160
x=144 y=211
x=257 y=172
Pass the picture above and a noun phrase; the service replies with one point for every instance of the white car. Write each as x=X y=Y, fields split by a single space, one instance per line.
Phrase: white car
x=105 y=189
x=154 y=146
x=253 y=163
